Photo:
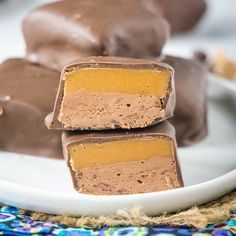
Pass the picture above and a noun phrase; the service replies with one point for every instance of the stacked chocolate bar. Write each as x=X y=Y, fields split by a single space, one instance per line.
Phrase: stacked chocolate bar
x=111 y=109
x=123 y=96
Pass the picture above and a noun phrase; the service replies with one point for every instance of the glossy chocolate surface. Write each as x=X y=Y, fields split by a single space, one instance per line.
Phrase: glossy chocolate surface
x=62 y=31
x=27 y=94
x=190 y=115
x=182 y=14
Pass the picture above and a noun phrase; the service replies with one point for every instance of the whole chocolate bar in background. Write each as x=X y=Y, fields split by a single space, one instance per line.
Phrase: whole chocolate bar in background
x=62 y=31
x=121 y=162
x=98 y=93
x=27 y=94
x=182 y=15
x=190 y=116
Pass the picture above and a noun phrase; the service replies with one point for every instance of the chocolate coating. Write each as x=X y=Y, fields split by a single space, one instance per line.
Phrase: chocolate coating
x=79 y=137
x=168 y=105
x=182 y=14
x=62 y=31
x=190 y=115
x=27 y=94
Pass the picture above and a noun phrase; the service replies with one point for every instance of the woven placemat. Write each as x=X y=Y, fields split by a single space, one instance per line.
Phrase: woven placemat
x=199 y=217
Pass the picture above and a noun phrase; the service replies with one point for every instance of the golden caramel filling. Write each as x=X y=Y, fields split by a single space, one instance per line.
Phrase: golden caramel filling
x=130 y=81
x=107 y=153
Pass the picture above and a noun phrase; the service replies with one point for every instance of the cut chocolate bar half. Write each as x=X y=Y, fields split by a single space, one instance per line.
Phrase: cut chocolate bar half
x=110 y=163
x=106 y=93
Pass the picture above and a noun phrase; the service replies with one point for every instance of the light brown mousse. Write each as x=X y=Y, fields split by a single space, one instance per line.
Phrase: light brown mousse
x=110 y=110
x=153 y=175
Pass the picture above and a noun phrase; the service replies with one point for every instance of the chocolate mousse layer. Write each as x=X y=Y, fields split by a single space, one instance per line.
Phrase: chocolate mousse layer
x=27 y=94
x=108 y=92
x=153 y=175
x=59 y=32
x=123 y=162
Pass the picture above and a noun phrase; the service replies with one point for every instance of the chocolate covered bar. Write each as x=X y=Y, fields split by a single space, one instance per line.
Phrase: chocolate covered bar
x=108 y=92
x=62 y=31
x=190 y=115
x=110 y=163
x=27 y=94
x=182 y=14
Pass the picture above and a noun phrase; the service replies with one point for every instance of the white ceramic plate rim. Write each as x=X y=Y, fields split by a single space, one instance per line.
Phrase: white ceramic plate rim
x=228 y=84
x=218 y=186
x=13 y=186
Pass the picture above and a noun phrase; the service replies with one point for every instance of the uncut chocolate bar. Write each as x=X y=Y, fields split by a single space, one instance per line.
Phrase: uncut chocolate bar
x=182 y=14
x=190 y=115
x=27 y=94
x=110 y=163
x=62 y=31
x=108 y=92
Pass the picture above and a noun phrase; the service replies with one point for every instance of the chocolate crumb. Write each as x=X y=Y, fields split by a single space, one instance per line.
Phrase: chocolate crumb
x=79 y=175
x=200 y=56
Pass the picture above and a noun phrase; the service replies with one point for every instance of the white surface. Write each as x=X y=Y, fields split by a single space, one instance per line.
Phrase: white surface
x=228 y=84
x=209 y=168
x=209 y=171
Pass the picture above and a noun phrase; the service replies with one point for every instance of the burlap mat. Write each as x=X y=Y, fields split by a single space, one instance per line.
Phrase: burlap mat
x=213 y=212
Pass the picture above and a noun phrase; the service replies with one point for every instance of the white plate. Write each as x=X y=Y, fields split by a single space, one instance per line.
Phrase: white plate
x=228 y=84
x=209 y=171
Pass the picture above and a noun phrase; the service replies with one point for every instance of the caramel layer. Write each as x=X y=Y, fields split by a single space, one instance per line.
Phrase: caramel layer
x=128 y=81
x=107 y=153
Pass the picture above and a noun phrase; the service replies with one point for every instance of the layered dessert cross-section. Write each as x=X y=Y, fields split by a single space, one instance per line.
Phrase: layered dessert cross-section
x=107 y=93
x=110 y=163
